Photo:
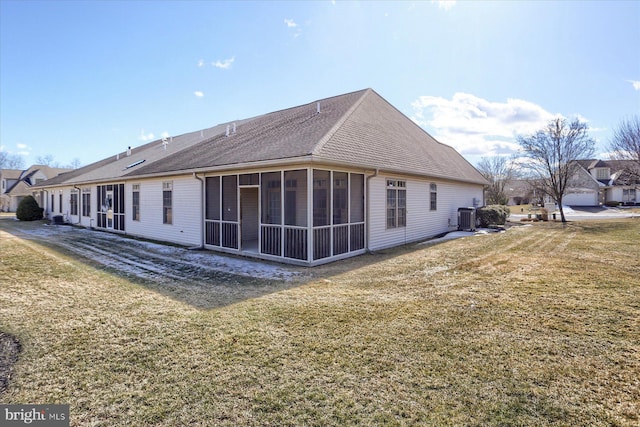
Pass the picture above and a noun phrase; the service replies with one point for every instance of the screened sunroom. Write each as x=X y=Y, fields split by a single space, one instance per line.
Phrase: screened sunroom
x=306 y=216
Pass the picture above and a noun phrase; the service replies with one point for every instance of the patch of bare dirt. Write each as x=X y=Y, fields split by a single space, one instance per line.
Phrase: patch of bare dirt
x=9 y=350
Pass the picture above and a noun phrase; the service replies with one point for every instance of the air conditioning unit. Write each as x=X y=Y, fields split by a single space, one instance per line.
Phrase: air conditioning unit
x=467 y=219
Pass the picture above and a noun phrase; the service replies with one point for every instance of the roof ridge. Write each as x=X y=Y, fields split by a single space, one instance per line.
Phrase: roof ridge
x=318 y=147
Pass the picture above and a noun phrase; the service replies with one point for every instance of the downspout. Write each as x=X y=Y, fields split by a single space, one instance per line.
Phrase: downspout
x=79 y=203
x=368 y=210
x=202 y=205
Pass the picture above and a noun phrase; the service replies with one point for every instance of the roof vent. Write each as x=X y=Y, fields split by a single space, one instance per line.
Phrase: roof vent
x=128 y=151
x=227 y=134
x=318 y=108
x=234 y=128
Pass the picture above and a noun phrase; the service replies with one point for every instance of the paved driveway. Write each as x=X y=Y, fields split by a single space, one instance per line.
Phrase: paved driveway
x=579 y=213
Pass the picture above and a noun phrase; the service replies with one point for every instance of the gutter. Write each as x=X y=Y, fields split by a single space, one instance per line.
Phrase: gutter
x=202 y=212
x=368 y=210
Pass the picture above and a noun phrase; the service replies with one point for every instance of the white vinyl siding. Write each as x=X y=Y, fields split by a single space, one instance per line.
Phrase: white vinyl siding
x=186 y=211
x=422 y=223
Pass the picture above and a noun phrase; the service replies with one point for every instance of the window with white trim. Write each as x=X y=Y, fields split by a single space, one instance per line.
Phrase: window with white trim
x=167 y=202
x=396 y=203
x=135 y=202
x=433 y=196
x=86 y=202
x=74 y=202
x=602 y=173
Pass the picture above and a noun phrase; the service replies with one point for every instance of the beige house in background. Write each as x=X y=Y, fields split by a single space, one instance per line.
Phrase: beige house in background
x=15 y=184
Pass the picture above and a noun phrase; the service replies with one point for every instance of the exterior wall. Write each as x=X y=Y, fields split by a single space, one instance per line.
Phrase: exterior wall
x=614 y=194
x=186 y=227
x=422 y=223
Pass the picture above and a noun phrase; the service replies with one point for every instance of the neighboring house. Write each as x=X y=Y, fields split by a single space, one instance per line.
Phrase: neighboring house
x=594 y=183
x=520 y=192
x=16 y=184
x=306 y=185
x=603 y=181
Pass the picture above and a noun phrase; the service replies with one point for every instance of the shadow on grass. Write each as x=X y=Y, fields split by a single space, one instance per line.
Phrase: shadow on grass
x=181 y=274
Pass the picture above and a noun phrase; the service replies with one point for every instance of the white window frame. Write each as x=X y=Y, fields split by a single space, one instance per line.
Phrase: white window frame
x=167 y=210
x=397 y=189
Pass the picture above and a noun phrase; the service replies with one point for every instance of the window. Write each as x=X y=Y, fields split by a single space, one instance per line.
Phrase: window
x=628 y=195
x=167 y=211
x=86 y=202
x=135 y=202
x=602 y=173
x=60 y=202
x=433 y=199
x=52 y=202
x=74 y=203
x=396 y=203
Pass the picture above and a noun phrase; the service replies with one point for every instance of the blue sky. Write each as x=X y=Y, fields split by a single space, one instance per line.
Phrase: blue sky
x=84 y=80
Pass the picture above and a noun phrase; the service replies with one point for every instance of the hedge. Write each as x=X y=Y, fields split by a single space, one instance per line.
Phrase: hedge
x=493 y=215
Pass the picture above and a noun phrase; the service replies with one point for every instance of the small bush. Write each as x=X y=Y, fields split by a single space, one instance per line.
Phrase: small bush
x=612 y=203
x=28 y=210
x=493 y=215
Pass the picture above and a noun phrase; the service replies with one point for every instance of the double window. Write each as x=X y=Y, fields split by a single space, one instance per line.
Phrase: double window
x=396 y=203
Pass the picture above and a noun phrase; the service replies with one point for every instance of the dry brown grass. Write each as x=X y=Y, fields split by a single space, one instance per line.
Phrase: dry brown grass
x=536 y=326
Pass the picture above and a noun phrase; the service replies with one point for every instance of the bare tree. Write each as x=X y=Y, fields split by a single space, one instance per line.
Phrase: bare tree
x=47 y=161
x=625 y=144
x=551 y=155
x=75 y=164
x=498 y=170
x=11 y=161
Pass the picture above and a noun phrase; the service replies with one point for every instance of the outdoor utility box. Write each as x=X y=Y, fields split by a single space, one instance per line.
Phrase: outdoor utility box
x=57 y=219
x=467 y=219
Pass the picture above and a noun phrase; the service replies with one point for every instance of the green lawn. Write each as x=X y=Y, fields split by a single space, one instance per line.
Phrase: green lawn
x=536 y=326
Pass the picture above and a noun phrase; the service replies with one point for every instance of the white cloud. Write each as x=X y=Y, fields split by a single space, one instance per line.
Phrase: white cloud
x=198 y=94
x=164 y=134
x=295 y=28
x=145 y=136
x=635 y=84
x=200 y=63
x=22 y=146
x=476 y=126
x=224 y=64
x=445 y=4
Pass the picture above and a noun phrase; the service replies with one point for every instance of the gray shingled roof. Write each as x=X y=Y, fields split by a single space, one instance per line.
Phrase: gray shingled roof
x=359 y=128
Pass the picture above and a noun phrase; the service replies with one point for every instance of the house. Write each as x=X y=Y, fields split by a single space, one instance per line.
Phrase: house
x=594 y=183
x=307 y=185
x=15 y=184
x=597 y=182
